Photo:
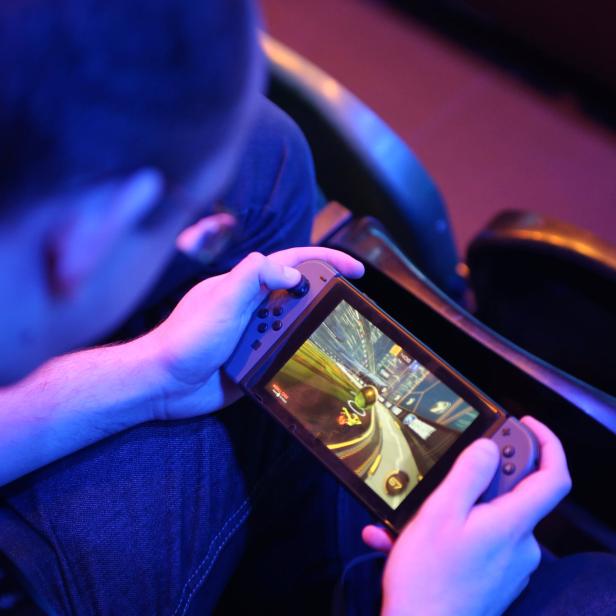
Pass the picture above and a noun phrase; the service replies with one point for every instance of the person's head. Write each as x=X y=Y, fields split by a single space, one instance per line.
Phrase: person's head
x=118 y=120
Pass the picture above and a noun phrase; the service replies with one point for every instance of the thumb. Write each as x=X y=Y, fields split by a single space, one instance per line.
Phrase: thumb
x=467 y=480
x=257 y=274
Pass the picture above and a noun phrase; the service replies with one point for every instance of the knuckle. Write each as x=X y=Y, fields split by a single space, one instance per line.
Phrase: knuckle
x=562 y=486
x=534 y=554
x=507 y=534
x=517 y=529
x=567 y=484
x=253 y=261
x=500 y=535
x=485 y=453
x=255 y=257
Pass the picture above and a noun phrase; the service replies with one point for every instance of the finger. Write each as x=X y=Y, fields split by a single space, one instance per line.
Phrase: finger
x=536 y=495
x=377 y=538
x=526 y=560
x=345 y=264
x=517 y=590
x=256 y=273
x=466 y=481
x=246 y=281
x=530 y=553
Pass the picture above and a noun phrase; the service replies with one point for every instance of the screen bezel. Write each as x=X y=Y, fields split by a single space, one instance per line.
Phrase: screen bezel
x=490 y=415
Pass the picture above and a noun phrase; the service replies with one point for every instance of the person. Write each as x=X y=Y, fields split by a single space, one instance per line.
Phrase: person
x=134 y=480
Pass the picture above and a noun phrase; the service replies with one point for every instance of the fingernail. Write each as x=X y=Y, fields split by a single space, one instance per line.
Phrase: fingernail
x=292 y=275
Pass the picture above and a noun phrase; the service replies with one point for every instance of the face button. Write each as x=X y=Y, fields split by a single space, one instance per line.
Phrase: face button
x=301 y=288
x=255 y=345
x=508 y=451
x=509 y=468
x=506 y=431
x=277 y=311
x=263 y=313
x=277 y=325
x=262 y=328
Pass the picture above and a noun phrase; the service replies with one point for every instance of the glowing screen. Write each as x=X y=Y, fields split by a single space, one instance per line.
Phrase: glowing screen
x=385 y=415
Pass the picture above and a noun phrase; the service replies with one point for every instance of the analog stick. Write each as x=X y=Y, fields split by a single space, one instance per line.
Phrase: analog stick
x=301 y=288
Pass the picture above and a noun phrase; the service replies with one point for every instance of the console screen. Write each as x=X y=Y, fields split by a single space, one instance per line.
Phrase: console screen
x=379 y=410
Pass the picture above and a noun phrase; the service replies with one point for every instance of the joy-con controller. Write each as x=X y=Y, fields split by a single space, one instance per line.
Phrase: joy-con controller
x=275 y=315
x=519 y=456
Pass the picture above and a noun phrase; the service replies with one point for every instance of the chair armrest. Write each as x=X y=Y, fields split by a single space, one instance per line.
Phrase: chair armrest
x=544 y=235
x=551 y=288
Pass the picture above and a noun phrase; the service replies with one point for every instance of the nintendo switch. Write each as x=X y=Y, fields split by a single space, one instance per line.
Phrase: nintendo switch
x=376 y=406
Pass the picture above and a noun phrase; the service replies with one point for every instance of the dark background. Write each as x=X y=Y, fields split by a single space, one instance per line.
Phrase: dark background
x=499 y=108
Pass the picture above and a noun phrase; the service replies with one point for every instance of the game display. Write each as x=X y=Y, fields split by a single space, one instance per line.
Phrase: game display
x=380 y=411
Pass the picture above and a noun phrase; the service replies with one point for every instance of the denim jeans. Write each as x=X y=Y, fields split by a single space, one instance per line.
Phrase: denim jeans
x=158 y=519
x=181 y=517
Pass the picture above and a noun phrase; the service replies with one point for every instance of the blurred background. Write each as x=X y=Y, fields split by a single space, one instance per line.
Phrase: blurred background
x=509 y=105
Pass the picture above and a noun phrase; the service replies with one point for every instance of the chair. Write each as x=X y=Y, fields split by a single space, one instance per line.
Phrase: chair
x=561 y=279
x=398 y=226
x=364 y=165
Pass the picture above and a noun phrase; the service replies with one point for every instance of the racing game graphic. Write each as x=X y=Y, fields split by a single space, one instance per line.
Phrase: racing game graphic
x=380 y=411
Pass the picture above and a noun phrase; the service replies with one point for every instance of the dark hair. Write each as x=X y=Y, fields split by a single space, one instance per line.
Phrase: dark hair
x=92 y=88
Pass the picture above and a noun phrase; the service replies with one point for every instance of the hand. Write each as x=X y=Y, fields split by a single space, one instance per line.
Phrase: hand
x=460 y=558
x=201 y=333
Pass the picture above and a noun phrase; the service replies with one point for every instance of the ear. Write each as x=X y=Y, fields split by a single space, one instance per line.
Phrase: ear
x=95 y=222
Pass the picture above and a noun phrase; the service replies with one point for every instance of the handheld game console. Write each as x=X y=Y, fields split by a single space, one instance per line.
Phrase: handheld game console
x=370 y=401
